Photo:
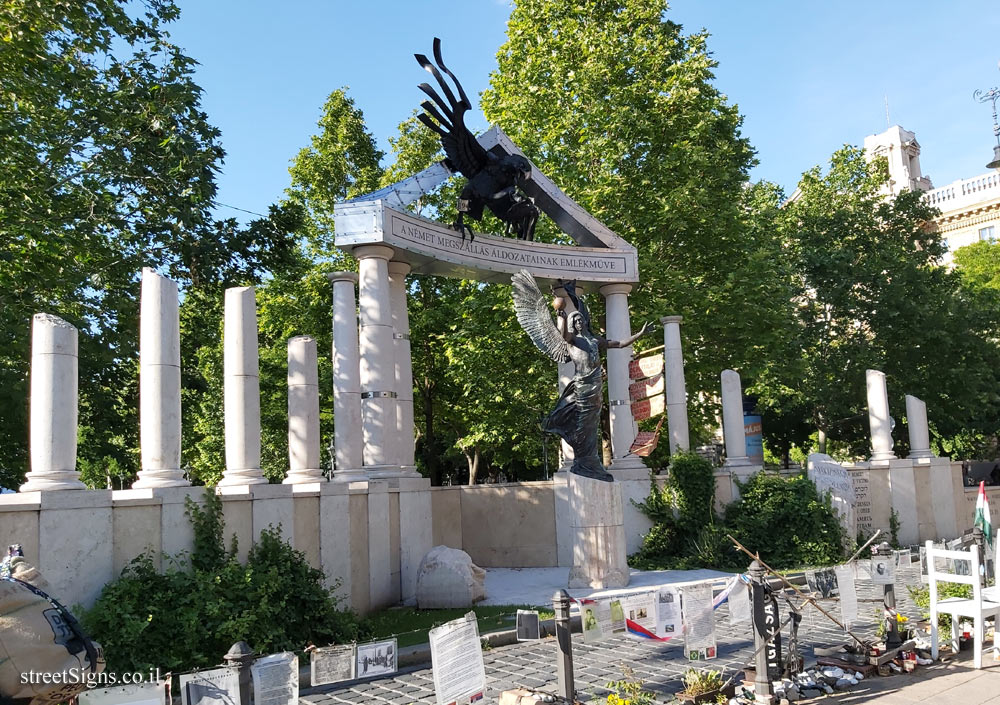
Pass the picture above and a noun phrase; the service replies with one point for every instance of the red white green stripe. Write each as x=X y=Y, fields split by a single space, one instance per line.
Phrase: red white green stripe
x=983 y=514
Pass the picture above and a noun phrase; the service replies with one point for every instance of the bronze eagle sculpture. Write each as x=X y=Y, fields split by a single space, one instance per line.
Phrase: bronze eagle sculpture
x=493 y=181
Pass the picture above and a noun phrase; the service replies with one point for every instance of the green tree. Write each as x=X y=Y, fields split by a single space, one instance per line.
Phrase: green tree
x=872 y=294
x=108 y=165
x=979 y=264
x=616 y=104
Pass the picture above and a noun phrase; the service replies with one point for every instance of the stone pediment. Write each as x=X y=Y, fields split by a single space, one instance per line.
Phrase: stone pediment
x=430 y=247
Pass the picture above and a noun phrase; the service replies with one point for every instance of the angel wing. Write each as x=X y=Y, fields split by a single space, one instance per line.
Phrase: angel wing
x=533 y=315
x=465 y=154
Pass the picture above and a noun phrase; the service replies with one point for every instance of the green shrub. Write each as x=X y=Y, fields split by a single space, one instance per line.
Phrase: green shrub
x=188 y=615
x=787 y=521
x=784 y=519
x=921 y=596
x=684 y=533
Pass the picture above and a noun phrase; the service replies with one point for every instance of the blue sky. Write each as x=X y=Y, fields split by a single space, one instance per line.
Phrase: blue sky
x=807 y=76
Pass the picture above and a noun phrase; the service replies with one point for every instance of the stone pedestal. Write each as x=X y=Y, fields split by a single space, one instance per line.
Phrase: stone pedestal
x=54 y=409
x=673 y=360
x=159 y=384
x=878 y=417
x=242 y=389
x=916 y=423
x=303 y=412
x=598 y=528
x=347 y=440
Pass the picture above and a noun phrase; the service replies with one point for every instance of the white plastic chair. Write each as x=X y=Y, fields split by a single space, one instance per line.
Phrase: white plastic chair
x=977 y=609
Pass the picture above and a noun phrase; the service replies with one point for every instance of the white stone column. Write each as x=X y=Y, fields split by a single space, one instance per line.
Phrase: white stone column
x=404 y=438
x=673 y=358
x=54 y=409
x=916 y=422
x=241 y=377
x=878 y=416
x=378 y=361
x=732 y=420
x=303 y=412
x=159 y=384
x=566 y=371
x=623 y=427
x=347 y=440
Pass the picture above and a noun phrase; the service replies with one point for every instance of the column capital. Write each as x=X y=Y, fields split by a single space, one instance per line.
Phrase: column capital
x=616 y=288
x=377 y=251
x=399 y=268
x=335 y=277
x=671 y=319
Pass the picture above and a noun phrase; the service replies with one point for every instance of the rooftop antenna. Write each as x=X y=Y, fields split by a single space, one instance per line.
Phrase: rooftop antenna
x=887 y=123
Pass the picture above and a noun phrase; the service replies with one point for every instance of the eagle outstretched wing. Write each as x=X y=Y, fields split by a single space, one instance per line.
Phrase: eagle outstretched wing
x=533 y=315
x=465 y=154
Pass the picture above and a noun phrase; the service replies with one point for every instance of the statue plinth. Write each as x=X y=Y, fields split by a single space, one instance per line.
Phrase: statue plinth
x=598 y=528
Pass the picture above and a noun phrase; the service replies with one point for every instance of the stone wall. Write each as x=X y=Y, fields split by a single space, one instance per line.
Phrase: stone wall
x=367 y=537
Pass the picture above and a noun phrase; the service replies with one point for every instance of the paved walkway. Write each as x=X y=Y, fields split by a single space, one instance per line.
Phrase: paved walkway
x=659 y=665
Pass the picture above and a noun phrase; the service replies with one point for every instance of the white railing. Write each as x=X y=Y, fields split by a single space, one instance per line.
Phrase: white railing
x=965 y=191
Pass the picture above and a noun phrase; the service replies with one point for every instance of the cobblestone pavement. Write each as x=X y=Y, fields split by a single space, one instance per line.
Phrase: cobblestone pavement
x=658 y=664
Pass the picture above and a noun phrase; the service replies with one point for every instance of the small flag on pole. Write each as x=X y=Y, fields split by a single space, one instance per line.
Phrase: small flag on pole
x=983 y=514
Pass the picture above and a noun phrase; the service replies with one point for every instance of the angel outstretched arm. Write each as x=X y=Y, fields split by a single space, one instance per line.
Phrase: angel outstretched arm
x=533 y=315
x=605 y=343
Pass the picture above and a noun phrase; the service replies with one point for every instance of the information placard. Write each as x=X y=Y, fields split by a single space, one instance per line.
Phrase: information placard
x=529 y=625
x=219 y=686
x=276 y=679
x=331 y=664
x=699 y=621
x=457 y=661
x=376 y=658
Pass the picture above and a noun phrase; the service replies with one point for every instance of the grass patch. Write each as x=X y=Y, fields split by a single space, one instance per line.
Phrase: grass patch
x=410 y=625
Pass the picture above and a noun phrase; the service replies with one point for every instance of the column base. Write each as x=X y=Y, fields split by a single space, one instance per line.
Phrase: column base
x=918 y=454
x=630 y=467
x=382 y=472
x=303 y=477
x=154 y=479
x=883 y=457
x=237 y=478
x=52 y=480
x=351 y=475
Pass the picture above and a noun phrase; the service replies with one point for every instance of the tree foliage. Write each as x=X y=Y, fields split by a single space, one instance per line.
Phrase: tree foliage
x=872 y=294
x=616 y=104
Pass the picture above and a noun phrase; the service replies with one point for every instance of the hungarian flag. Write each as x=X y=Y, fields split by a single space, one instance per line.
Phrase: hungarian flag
x=983 y=514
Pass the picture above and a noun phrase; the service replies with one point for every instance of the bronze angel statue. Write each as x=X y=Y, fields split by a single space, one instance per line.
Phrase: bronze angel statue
x=576 y=417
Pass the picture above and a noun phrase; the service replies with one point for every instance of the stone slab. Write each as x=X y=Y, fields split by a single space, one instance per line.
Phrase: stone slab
x=77 y=560
x=415 y=538
x=379 y=558
x=335 y=541
x=358 y=550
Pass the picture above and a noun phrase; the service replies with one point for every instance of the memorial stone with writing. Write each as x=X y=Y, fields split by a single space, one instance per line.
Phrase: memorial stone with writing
x=830 y=476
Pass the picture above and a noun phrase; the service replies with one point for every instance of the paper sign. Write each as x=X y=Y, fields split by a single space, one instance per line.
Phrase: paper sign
x=823 y=582
x=739 y=603
x=377 y=658
x=529 y=626
x=848 y=594
x=601 y=619
x=668 y=612
x=647 y=408
x=276 y=679
x=219 y=686
x=457 y=661
x=152 y=693
x=699 y=621
x=640 y=609
x=646 y=388
x=332 y=664
x=645 y=366
x=883 y=569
